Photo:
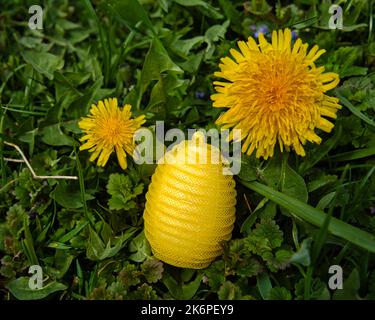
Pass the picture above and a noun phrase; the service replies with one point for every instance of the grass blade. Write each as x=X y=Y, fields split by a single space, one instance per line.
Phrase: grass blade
x=88 y=214
x=103 y=40
x=315 y=216
x=28 y=245
x=33 y=113
x=354 y=110
x=353 y=155
x=72 y=233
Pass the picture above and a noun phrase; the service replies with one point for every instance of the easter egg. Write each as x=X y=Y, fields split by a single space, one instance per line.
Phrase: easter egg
x=190 y=205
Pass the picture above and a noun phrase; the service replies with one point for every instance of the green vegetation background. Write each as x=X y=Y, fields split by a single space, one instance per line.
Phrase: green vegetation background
x=160 y=56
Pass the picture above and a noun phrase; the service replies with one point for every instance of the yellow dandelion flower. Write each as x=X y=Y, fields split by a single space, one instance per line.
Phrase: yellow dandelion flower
x=275 y=93
x=109 y=128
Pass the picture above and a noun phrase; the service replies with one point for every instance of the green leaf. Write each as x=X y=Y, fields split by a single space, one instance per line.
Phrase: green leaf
x=184 y=46
x=271 y=172
x=140 y=248
x=231 y=14
x=215 y=274
x=53 y=136
x=43 y=62
x=157 y=61
x=264 y=210
x=315 y=216
x=259 y=8
x=129 y=275
x=319 y=290
x=122 y=190
x=248 y=169
x=66 y=84
x=264 y=285
x=279 y=293
x=67 y=196
x=325 y=201
x=321 y=181
x=354 y=71
x=191 y=288
x=152 y=269
x=229 y=291
x=214 y=34
x=239 y=258
x=360 y=91
x=292 y=184
x=58 y=245
x=269 y=210
x=167 y=86
x=97 y=250
x=344 y=59
x=350 y=288
x=62 y=262
x=302 y=256
x=266 y=236
x=29 y=137
x=131 y=13
x=21 y=290
x=181 y=291
x=173 y=287
x=73 y=232
x=164 y=5
x=15 y=219
x=28 y=244
x=204 y=5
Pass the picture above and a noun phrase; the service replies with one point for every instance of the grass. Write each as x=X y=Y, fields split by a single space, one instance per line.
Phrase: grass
x=295 y=216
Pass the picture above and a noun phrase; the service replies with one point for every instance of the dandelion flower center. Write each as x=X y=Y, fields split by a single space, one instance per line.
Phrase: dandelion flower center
x=111 y=131
x=109 y=128
x=275 y=94
x=278 y=86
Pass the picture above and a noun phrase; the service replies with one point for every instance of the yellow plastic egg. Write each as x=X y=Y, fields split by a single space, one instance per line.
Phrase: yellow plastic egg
x=190 y=205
